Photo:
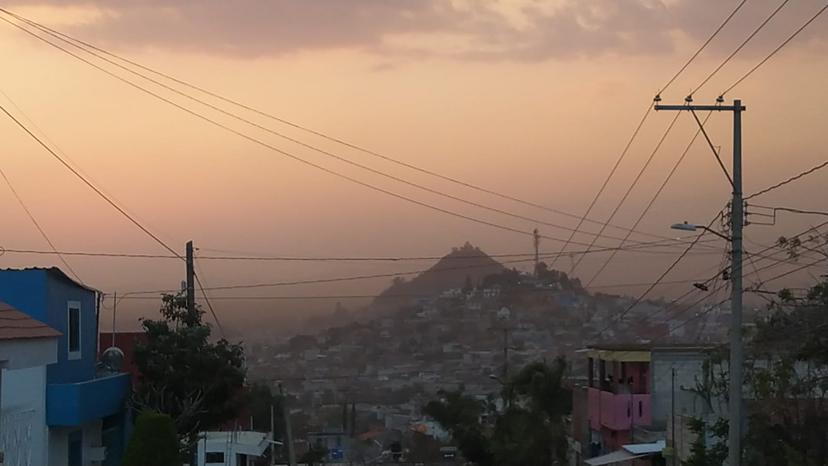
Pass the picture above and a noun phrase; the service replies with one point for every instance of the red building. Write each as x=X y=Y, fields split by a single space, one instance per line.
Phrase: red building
x=126 y=342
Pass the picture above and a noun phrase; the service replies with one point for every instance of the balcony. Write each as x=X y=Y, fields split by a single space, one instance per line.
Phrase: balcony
x=618 y=411
x=73 y=404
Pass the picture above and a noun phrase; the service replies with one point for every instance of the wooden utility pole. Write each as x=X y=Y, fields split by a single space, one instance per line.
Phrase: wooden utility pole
x=190 y=280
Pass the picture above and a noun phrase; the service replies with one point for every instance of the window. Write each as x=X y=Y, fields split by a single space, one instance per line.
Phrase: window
x=73 y=329
x=640 y=409
x=214 y=457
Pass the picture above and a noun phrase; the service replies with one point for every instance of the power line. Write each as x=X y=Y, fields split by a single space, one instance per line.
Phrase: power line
x=73 y=41
x=609 y=177
x=288 y=154
x=38 y=227
x=740 y=47
x=88 y=183
x=777 y=49
x=633 y=184
x=654 y=198
x=664 y=274
x=648 y=248
x=787 y=181
x=703 y=46
x=209 y=304
x=323 y=297
x=346 y=278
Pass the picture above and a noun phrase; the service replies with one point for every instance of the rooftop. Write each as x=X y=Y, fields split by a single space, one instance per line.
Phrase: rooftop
x=56 y=272
x=15 y=325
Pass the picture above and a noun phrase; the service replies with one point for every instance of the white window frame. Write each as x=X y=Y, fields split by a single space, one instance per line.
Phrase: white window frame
x=74 y=355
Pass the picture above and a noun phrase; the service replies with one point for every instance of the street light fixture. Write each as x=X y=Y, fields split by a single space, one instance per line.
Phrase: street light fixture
x=693 y=227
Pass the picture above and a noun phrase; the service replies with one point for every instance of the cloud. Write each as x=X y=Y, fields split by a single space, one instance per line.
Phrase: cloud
x=521 y=30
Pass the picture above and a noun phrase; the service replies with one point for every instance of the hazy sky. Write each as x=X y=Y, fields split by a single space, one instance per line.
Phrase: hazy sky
x=534 y=99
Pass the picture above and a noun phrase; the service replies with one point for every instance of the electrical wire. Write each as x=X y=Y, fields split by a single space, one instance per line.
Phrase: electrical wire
x=703 y=46
x=288 y=154
x=38 y=227
x=88 y=183
x=777 y=49
x=787 y=181
x=633 y=184
x=740 y=47
x=608 y=178
x=207 y=300
x=74 y=41
x=653 y=199
x=638 y=248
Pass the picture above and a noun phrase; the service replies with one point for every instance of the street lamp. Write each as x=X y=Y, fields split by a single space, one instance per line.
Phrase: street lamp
x=693 y=227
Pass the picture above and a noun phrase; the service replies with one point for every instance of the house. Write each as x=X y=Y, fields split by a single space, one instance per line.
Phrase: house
x=631 y=392
x=27 y=346
x=86 y=412
x=232 y=448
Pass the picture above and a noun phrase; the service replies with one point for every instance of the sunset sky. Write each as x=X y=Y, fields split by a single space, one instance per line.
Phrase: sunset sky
x=534 y=99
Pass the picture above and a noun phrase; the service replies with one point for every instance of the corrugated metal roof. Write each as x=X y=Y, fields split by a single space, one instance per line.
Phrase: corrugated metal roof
x=56 y=272
x=16 y=325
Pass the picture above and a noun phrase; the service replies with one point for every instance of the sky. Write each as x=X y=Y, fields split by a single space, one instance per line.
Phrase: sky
x=531 y=98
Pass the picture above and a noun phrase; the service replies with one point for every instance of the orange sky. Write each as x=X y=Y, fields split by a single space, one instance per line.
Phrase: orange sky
x=535 y=99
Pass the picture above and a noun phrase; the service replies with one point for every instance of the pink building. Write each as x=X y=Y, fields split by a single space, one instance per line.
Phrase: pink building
x=628 y=399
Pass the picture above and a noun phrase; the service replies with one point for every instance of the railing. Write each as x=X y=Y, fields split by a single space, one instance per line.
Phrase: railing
x=16 y=436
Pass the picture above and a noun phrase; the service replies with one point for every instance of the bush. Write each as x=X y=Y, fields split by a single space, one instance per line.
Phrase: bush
x=154 y=442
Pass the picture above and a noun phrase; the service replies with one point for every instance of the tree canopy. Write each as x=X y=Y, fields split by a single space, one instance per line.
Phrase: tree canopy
x=184 y=374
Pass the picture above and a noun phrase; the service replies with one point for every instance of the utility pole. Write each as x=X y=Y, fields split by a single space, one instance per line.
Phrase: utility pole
x=736 y=225
x=673 y=415
x=536 y=242
x=288 y=431
x=272 y=434
x=190 y=280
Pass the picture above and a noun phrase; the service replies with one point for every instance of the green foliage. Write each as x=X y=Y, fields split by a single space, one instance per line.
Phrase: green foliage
x=789 y=424
x=314 y=455
x=154 y=442
x=529 y=432
x=700 y=453
x=184 y=374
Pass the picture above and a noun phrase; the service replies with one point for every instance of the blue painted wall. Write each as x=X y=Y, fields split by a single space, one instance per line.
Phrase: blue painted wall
x=73 y=404
x=44 y=295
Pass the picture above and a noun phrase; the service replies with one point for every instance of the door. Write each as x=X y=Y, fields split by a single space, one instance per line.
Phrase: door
x=75 y=449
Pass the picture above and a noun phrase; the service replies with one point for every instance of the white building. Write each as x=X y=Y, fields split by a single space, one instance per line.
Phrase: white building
x=237 y=448
x=27 y=346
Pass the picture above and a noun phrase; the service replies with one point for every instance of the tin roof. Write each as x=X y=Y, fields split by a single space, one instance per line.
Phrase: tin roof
x=55 y=272
x=15 y=325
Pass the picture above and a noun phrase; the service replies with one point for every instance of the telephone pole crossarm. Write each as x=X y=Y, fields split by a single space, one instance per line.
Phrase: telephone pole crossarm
x=702 y=108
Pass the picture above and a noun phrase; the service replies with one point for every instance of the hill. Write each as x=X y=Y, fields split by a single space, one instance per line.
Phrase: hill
x=462 y=267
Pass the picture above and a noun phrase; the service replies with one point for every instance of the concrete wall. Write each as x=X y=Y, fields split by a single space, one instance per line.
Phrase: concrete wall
x=689 y=370
x=19 y=354
x=23 y=432
x=59 y=443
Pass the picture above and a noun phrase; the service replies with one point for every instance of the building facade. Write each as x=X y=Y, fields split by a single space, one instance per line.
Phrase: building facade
x=27 y=347
x=631 y=394
x=85 y=406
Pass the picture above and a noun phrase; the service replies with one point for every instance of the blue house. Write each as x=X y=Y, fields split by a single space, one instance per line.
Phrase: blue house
x=85 y=408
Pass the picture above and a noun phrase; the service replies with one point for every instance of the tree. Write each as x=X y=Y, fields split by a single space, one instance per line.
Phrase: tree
x=154 y=442
x=789 y=379
x=185 y=375
x=529 y=432
x=700 y=453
